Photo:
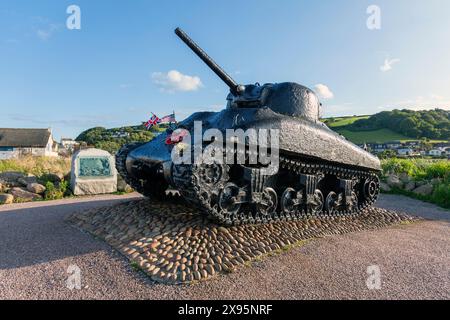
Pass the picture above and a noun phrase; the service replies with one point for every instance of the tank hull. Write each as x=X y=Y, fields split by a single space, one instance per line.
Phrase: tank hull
x=319 y=172
x=297 y=136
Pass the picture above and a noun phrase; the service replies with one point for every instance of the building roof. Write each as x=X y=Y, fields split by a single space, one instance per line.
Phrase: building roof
x=25 y=138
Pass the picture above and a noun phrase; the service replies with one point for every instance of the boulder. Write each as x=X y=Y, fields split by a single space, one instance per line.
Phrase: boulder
x=122 y=186
x=36 y=188
x=425 y=190
x=10 y=178
x=405 y=178
x=384 y=187
x=394 y=182
x=25 y=181
x=436 y=181
x=6 y=199
x=55 y=178
x=93 y=172
x=24 y=194
x=410 y=186
x=420 y=183
x=11 y=175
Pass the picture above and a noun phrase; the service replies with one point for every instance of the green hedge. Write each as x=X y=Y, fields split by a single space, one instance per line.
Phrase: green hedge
x=423 y=170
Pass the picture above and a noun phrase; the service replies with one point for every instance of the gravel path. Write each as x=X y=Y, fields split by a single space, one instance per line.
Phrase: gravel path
x=37 y=247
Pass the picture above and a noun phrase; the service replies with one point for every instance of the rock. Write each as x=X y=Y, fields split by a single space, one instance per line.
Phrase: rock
x=404 y=177
x=122 y=186
x=25 y=181
x=10 y=178
x=420 y=183
x=394 y=182
x=223 y=230
x=23 y=194
x=6 y=199
x=93 y=172
x=385 y=187
x=410 y=186
x=36 y=188
x=424 y=190
x=436 y=181
x=55 y=178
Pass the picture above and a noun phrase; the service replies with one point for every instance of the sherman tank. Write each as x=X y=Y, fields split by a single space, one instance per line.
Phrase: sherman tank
x=318 y=171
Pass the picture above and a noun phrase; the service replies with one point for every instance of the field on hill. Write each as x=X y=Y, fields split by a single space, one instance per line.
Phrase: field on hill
x=347 y=126
x=339 y=125
x=375 y=136
x=342 y=121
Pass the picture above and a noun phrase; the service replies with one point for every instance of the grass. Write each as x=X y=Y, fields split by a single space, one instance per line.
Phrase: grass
x=37 y=166
x=343 y=121
x=375 y=136
x=339 y=124
x=423 y=170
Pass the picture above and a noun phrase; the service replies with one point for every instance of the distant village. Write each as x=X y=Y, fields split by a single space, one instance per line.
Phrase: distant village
x=409 y=149
x=18 y=142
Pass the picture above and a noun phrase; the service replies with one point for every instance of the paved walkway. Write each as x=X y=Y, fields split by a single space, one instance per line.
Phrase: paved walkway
x=37 y=247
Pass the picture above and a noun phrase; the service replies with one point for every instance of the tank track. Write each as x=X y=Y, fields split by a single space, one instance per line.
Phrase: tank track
x=155 y=191
x=204 y=196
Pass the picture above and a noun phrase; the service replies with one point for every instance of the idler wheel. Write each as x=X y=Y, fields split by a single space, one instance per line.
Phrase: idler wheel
x=371 y=188
x=317 y=202
x=269 y=202
x=228 y=199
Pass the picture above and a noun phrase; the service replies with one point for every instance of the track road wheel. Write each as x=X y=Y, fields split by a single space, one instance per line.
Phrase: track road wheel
x=316 y=204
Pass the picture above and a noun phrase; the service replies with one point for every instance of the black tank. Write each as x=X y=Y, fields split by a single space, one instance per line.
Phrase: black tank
x=319 y=172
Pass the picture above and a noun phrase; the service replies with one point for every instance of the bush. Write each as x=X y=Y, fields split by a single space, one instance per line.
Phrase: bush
x=441 y=195
x=54 y=193
x=440 y=169
x=420 y=170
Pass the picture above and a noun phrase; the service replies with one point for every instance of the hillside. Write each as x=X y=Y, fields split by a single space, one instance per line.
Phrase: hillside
x=396 y=125
x=375 y=136
x=112 y=139
x=342 y=121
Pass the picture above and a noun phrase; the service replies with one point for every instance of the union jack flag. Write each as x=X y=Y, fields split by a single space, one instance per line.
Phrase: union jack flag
x=154 y=120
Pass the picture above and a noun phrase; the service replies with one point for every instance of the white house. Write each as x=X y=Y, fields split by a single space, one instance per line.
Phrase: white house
x=405 y=151
x=69 y=144
x=435 y=153
x=15 y=143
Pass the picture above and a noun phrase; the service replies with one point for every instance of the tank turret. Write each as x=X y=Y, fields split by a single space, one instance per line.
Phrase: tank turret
x=286 y=98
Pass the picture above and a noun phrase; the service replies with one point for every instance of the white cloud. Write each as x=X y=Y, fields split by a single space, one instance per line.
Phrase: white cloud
x=388 y=64
x=46 y=32
x=323 y=91
x=176 y=81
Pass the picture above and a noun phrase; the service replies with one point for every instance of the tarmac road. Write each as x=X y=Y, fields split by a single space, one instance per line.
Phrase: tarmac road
x=37 y=247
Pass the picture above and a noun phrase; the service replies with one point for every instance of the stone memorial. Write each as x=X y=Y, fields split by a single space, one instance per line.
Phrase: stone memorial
x=93 y=172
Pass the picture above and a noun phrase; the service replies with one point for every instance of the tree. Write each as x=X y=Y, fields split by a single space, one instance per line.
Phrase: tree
x=386 y=154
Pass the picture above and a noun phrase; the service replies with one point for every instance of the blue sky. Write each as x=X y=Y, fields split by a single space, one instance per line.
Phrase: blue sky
x=115 y=70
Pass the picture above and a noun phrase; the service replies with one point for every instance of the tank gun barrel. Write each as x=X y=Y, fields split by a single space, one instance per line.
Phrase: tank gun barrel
x=208 y=60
